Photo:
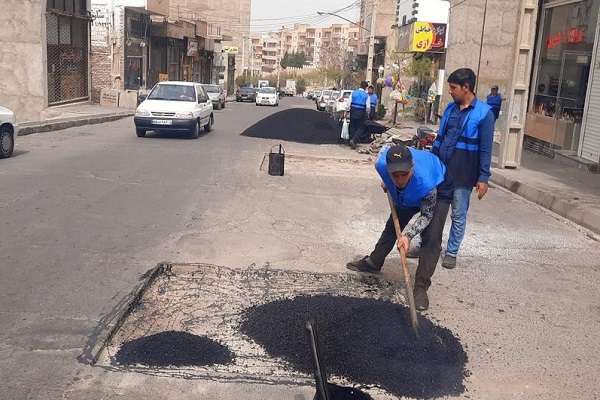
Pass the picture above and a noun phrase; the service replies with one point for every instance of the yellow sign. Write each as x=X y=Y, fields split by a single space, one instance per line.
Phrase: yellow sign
x=427 y=36
x=230 y=49
x=163 y=77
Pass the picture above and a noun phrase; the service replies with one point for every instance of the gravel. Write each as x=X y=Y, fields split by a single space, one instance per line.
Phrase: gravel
x=173 y=348
x=367 y=341
x=297 y=125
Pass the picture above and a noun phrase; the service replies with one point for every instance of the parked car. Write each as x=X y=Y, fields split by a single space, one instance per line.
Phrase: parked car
x=7 y=132
x=267 y=96
x=176 y=107
x=342 y=105
x=216 y=95
x=332 y=100
x=245 y=94
x=316 y=95
x=323 y=99
x=309 y=95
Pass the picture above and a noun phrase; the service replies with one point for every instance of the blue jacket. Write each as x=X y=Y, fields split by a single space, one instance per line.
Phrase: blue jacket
x=373 y=99
x=471 y=156
x=359 y=99
x=428 y=172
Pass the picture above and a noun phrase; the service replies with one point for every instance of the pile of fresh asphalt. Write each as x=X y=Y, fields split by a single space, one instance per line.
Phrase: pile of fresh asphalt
x=173 y=348
x=365 y=340
x=299 y=125
x=344 y=393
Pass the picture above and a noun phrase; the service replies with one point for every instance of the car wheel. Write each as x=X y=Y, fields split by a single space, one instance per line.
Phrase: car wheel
x=196 y=130
x=140 y=132
x=211 y=121
x=223 y=104
x=219 y=106
x=7 y=142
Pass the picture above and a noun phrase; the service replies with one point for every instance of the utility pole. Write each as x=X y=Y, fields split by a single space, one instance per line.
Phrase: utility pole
x=371 y=43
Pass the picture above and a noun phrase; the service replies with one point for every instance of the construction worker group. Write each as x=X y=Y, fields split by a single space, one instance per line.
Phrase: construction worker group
x=425 y=186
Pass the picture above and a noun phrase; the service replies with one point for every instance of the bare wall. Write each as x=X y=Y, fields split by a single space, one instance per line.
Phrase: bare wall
x=22 y=64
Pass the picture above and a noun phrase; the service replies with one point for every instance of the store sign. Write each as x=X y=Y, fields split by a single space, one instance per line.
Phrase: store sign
x=428 y=36
x=572 y=36
x=192 y=49
x=230 y=49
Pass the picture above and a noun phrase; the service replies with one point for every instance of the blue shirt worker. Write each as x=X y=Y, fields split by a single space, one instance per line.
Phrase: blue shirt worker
x=494 y=100
x=359 y=110
x=464 y=145
x=411 y=178
x=373 y=100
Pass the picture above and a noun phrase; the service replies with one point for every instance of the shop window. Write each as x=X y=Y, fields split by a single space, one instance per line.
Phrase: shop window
x=562 y=70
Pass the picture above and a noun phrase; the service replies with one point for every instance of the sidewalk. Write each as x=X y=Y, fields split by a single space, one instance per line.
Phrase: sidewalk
x=568 y=191
x=68 y=116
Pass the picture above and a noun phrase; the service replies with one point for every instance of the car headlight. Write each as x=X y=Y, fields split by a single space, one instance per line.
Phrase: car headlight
x=187 y=114
x=142 y=113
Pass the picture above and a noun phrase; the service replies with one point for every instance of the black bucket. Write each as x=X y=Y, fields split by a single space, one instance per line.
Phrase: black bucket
x=276 y=162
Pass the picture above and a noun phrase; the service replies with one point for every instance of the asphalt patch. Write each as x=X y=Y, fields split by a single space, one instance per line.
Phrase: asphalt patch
x=344 y=393
x=367 y=341
x=173 y=348
x=299 y=125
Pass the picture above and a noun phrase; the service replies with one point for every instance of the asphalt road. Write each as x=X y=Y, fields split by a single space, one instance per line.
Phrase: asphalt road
x=86 y=211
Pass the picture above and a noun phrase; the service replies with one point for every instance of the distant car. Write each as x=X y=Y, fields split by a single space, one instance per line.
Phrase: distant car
x=7 y=132
x=216 y=95
x=267 y=96
x=309 y=95
x=175 y=107
x=245 y=94
x=342 y=104
x=316 y=95
x=323 y=99
x=332 y=101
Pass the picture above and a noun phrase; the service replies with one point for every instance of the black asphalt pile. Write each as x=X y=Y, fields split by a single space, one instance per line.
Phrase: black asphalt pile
x=345 y=393
x=297 y=125
x=173 y=348
x=367 y=341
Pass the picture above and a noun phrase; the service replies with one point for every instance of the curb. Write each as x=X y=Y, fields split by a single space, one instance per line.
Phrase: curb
x=111 y=323
x=70 y=123
x=587 y=218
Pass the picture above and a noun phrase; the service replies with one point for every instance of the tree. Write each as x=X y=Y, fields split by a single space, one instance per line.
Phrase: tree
x=300 y=85
x=295 y=60
x=246 y=79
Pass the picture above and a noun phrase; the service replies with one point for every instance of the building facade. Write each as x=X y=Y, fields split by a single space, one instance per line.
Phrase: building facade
x=44 y=52
x=409 y=11
x=543 y=56
x=377 y=18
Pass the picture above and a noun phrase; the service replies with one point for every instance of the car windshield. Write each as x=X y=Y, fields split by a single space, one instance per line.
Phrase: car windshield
x=317 y=94
x=247 y=90
x=267 y=90
x=326 y=93
x=347 y=94
x=173 y=93
x=335 y=95
x=212 y=88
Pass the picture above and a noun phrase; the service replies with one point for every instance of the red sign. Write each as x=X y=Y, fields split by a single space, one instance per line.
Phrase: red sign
x=573 y=36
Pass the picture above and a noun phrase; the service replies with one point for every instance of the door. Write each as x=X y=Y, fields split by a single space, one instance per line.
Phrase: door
x=204 y=104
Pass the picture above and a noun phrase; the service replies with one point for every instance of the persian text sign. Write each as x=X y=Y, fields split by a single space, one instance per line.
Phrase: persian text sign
x=428 y=36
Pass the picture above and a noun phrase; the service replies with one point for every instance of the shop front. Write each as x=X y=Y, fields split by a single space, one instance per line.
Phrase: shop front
x=560 y=97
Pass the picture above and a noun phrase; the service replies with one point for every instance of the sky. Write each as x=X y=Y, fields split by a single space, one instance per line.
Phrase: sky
x=270 y=15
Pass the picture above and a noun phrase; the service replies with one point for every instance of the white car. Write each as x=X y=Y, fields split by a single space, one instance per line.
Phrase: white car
x=343 y=101
x=7 y=132
x=323 y=99
x=216 y=94
x=175 y=107
x=267 y=96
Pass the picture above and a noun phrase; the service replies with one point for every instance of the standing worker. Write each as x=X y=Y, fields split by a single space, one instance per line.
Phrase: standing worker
x=464 y=145
x=373 y=101
x=359 y=110
x=494 y=100
x=410 y=177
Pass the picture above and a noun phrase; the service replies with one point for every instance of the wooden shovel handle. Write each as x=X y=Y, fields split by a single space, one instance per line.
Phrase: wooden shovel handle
x=407 y=276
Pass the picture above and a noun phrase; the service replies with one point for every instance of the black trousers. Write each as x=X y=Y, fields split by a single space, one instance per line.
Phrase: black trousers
x=358 y=118
x=431 y=241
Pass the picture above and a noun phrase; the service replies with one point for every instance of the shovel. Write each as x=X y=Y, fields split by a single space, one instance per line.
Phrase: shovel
x=407 y=277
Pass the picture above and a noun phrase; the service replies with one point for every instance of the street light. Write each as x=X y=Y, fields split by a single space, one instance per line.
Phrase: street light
x=345 y=19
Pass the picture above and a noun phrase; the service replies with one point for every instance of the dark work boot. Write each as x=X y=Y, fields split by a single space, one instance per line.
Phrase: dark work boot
x=363 y=265
x=421 y=299
x=449 y=262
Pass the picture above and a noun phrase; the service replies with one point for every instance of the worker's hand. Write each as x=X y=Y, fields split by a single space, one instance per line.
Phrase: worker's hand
x=383 y=187
x=482 y=188
x=403 y=244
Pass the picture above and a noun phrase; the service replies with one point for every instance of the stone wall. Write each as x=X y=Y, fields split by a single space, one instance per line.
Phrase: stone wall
x=497 y=51
x=22 y=64
x=101 y=65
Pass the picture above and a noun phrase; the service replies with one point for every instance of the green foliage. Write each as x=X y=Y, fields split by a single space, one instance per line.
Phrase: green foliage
x=300 y=85
x=296 y=60
x=246 y=79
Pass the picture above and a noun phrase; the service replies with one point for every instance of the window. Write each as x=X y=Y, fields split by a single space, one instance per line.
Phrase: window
x=173 y=93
